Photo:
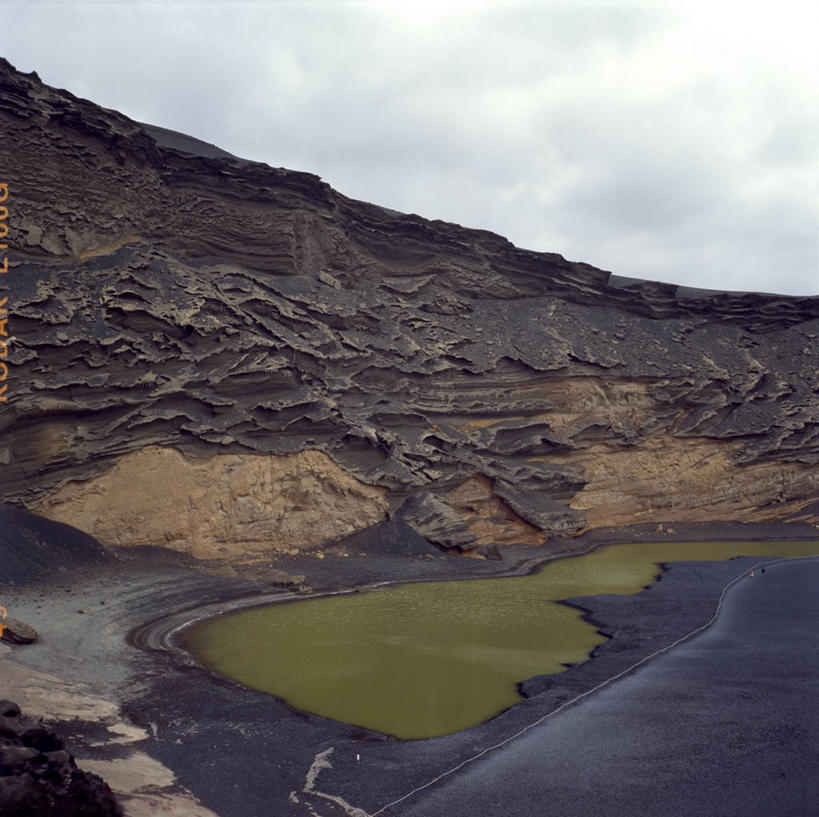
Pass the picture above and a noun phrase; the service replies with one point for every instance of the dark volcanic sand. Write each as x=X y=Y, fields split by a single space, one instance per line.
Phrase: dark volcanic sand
x=726 y=724
x=245 y=754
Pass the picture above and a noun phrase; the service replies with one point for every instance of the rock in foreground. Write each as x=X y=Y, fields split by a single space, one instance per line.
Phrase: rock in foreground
x=38 y=777
x=16 y=632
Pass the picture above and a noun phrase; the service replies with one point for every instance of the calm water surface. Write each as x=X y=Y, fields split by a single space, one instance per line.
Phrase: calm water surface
x=431 y=658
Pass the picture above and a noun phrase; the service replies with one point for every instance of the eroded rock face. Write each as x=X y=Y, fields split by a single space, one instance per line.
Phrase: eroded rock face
x=203 y=327
x=219 y=506
x=688 y=480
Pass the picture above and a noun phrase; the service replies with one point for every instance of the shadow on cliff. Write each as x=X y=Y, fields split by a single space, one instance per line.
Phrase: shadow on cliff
x=35 y=548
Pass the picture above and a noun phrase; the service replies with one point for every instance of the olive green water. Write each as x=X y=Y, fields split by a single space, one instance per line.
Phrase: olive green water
x=431 y=658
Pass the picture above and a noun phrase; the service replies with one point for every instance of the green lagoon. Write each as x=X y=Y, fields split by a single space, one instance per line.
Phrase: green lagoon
x=430 y=658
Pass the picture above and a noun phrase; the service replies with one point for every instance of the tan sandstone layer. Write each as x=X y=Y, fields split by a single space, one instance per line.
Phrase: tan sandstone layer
x=219 y=506
x=671 y=479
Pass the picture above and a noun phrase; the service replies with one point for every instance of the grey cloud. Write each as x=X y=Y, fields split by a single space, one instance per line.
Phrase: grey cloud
x=511 y=118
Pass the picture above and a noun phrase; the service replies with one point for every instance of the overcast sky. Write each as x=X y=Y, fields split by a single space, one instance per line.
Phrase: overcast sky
x=675 y=141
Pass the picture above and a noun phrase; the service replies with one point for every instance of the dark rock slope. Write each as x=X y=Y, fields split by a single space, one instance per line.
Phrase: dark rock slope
x=214 y=354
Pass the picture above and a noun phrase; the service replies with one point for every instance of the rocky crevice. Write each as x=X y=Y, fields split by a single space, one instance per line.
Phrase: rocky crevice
x=171 y=301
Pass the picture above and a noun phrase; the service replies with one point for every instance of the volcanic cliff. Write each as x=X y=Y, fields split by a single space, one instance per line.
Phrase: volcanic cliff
x=228 y=358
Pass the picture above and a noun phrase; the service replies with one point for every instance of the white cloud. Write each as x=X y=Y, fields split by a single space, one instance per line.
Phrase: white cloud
x=663 y=140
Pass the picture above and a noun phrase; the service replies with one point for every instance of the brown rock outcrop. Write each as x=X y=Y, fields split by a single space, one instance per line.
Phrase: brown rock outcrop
x=688 y=480
x=220 y=506
x=275 y=365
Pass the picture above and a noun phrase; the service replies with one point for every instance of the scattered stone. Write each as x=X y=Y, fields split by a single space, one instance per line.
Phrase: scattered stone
x=277 y=578
x=15 y=632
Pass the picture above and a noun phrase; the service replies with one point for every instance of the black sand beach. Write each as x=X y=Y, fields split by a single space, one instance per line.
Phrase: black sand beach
x=724 y=724
x=167 y=733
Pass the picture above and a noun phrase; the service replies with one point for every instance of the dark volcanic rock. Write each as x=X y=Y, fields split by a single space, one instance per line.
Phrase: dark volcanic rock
x=38 y=778
x=167 y=295
x=437 y=522
x=391 y=538
x=540 y=509
x=16 y=632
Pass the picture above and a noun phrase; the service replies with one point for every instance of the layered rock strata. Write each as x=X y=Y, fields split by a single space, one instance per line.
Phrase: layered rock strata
x=222 y=356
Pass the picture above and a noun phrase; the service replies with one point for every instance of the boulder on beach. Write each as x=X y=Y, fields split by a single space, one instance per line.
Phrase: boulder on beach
x=16 y=632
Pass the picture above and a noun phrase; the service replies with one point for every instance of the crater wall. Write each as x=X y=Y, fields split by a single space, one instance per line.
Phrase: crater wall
x=214 y=354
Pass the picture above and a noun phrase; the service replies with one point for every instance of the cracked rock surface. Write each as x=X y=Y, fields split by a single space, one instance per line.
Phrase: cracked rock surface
x=224 y=357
